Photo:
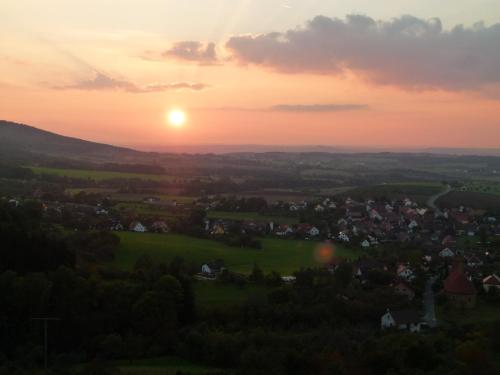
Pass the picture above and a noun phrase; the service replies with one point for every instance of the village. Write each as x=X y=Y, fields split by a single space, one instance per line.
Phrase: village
x=427 y=255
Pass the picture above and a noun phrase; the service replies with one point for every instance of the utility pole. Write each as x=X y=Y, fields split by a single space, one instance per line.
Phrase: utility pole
x=45 y=341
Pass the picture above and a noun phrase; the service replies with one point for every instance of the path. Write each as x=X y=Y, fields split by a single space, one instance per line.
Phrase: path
x=431 y=202
x=429 y=304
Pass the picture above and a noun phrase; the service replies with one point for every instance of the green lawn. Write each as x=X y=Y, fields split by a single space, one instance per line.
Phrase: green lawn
x=98 y=175
x=251 y=216
x=284 y=256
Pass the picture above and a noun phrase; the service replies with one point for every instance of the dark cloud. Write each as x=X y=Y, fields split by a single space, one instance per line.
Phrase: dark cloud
x=295 y=108
x=193 y=51
x=101 y=81
x=407 y=51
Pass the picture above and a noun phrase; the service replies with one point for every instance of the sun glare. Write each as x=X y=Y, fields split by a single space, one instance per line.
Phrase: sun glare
x=176 y=118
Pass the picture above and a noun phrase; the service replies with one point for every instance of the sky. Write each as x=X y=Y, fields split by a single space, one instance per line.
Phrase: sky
x=405 y=73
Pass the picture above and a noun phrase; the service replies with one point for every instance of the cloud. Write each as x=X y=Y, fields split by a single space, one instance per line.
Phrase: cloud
x=101 y=81
x=295 y=108
x=317 y=107
x=194 y=51
x=407 y=52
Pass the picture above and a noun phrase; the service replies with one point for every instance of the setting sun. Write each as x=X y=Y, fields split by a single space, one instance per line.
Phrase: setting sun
x=176 y=118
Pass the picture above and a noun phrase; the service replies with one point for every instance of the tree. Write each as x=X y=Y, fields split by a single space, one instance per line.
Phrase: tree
x=257 y=276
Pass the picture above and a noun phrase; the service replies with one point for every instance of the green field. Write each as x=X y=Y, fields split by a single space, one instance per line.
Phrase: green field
x=99 y=175
x=284 y=256
x=251 y=216
x=147 y=209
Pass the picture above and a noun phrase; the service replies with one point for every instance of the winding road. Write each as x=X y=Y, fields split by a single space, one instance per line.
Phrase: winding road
x=431 y=202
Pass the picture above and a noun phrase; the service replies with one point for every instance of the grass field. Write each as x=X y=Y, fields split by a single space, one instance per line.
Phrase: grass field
x=146 y=209
x=284 y=256
x=99 y=175
x=251 y=216
x=162 y=365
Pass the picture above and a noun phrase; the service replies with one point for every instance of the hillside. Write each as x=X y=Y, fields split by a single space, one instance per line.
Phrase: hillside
x=23 y=142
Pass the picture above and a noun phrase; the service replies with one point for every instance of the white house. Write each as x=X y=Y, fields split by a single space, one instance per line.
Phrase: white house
x=365 y=244
x=313 y=231
x=405 y=320
x=136 y=226
x=491 y=281
x=343 y=237
x=446 y=253
x=319 y=208
x=288 y=279
x=405 y=273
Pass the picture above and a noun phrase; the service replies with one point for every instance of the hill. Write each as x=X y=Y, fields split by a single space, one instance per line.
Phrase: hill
x=23 y=142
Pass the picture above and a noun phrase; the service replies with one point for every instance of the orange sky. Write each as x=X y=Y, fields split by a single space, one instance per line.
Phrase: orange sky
x=47 y=69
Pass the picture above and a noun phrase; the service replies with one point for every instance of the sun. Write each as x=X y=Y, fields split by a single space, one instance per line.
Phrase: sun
x=176 y=118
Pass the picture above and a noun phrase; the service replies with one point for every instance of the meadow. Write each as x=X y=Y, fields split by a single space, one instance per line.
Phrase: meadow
x=251 y=216
x=284 y=256
x=99 y=175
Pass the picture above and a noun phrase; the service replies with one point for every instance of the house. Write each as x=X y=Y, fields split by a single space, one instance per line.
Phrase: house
x=491 y=282
x=117 y=226
x=458 y=288
x=404 y=289
x=288 y=279
x=314 y=231
x=136 y=226
x=343 y=237
x=319 y=208
x=365 y=244
x=283 y=230
x=159 y=226
x=405 y=320
x=218 y=230
x=150 y=199
x=473 y=261
x=212 y=268
x=446 y=253
x=405 y=272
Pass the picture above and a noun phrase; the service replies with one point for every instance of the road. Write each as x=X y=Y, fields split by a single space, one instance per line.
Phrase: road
x=429 y=304
x=431 y=202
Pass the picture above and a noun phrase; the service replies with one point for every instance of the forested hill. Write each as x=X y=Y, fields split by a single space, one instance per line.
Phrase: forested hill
x=19 y=141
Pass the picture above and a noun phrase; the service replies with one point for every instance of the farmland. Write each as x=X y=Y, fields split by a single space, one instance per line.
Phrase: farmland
x=251 y=216
x=98 y=175
x=284 y=256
